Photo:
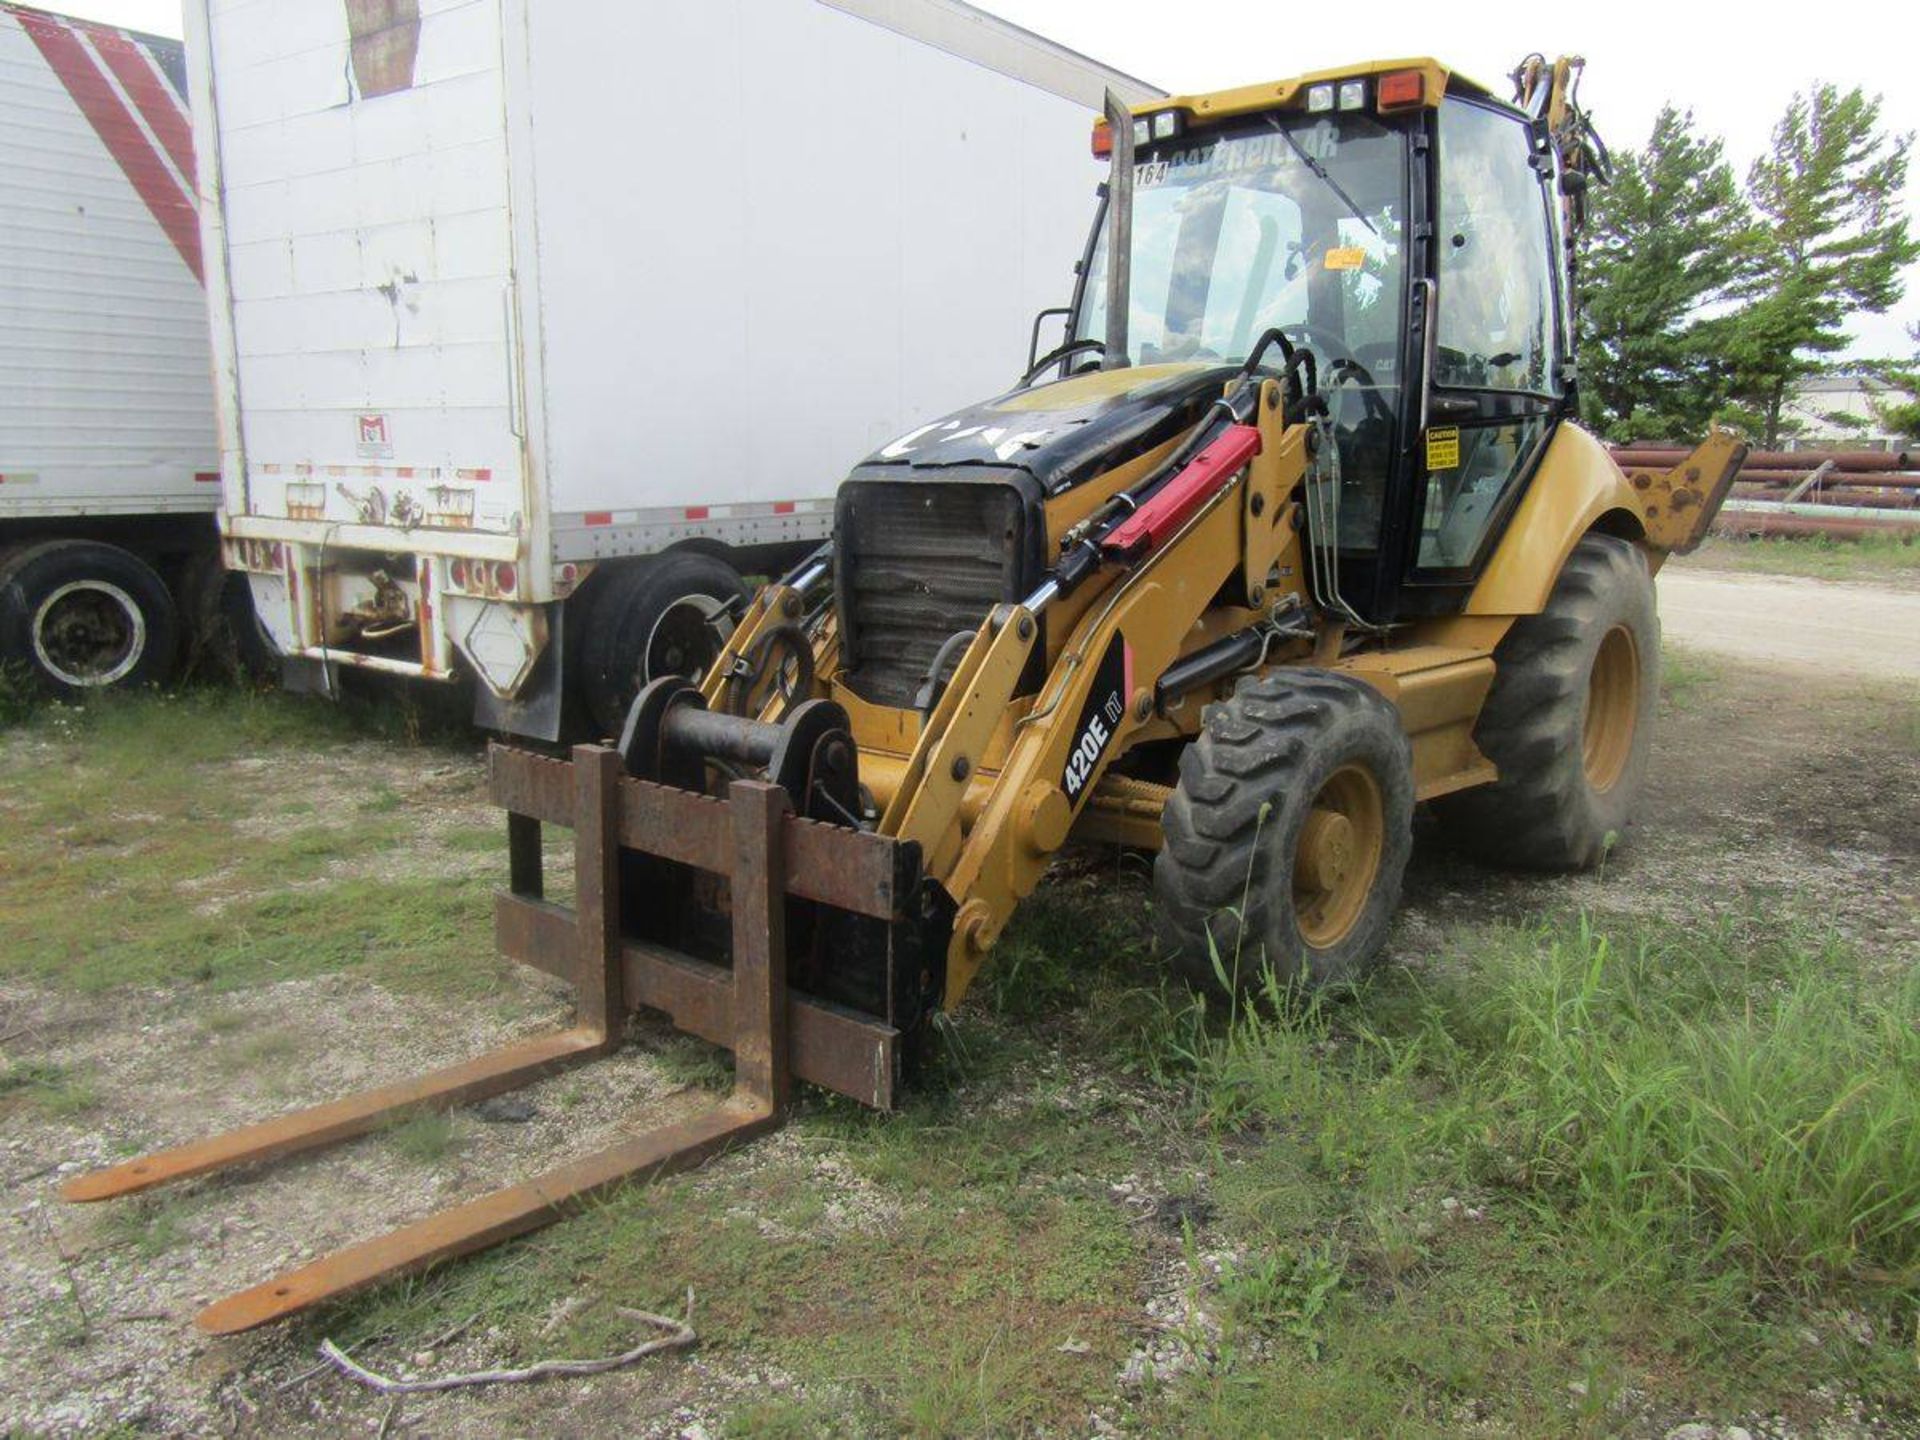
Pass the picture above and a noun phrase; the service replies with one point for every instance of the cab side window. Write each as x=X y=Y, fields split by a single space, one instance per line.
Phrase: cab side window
x=1496 y=275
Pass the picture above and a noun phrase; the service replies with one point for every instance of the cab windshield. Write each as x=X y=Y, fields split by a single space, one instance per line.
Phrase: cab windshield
x=1294 y=222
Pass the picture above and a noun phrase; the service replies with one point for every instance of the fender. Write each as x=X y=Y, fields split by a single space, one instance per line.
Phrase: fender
x=1579 y=487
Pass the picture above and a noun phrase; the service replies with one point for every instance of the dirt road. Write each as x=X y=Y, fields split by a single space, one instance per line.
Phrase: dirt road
x=1847 y=628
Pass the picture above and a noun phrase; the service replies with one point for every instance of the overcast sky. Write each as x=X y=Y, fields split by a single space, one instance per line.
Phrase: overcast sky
x=1736 y=73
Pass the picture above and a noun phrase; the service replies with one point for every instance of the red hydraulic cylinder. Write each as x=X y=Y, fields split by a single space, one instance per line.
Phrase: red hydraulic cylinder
x=1179 y=499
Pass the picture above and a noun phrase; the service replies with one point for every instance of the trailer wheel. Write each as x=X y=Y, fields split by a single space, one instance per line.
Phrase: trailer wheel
x=225 y=637
x=81 y=617
x=1569 y=720
x=1287 y=836
x=664 y=616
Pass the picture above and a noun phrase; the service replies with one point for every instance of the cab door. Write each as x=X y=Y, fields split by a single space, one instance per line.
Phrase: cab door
x=1496 y=384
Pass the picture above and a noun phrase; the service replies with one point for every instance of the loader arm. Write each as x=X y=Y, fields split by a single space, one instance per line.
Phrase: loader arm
x=1098 y=695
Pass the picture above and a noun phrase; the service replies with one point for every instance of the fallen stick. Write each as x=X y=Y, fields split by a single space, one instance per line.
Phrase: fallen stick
x=682 y=1335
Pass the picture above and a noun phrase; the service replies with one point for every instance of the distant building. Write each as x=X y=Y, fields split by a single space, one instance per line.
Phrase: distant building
x=1838 y=410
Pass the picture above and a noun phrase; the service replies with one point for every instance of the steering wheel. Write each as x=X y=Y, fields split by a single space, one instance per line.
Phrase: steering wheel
x=1342 y=356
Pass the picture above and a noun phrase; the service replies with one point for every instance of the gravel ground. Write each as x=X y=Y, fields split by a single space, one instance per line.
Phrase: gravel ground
x=1756 y=790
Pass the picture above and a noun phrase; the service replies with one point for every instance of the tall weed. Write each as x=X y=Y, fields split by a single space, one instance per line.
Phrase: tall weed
x=1690 y=1101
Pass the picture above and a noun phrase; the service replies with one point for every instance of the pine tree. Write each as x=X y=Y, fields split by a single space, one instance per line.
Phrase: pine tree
x=1669 y=240
x=1833 y=242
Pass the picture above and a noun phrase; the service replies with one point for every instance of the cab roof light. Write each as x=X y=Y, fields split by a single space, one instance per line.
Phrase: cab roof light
x=1401 y=90
x=1319 y=98
x=1161 y=125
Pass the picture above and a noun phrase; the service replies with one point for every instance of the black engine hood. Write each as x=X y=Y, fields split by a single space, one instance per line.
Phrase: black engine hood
x=1059 y=434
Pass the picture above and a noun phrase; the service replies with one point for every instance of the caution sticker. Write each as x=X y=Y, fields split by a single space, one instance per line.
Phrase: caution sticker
x=1346 y=257
x=1443 y=448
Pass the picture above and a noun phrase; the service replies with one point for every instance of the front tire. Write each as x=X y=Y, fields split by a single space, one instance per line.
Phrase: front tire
x=1569 y=720
x=1288 y=835
x=81 y=617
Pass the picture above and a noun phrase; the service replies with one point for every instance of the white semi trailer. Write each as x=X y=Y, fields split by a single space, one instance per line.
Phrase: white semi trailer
x=539 y=324
x=109 y=470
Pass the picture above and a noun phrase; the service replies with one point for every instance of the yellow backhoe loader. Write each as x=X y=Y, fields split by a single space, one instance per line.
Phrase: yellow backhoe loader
x=1294 y=531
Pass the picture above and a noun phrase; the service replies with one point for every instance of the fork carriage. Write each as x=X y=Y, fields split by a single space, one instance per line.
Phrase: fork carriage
x=781 y=872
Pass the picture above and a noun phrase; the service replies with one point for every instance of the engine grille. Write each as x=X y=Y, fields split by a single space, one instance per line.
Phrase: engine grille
x=918 y=561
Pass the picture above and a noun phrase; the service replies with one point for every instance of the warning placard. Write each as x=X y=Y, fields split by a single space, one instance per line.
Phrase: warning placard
x=1443 y=448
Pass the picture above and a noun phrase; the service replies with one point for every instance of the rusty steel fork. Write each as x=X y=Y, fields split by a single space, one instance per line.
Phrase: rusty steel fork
x=757 y=813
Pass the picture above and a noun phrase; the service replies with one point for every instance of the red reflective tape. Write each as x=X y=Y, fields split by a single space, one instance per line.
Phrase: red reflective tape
x=696 y=512
x=169 y=205
x=207 y=477
x=784 y=507
x=155 y=100
x=599 y=517
x=1180 y=498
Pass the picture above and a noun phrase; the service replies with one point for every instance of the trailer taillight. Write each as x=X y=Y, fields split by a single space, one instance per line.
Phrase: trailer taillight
x=457 y=573
x=505 y=578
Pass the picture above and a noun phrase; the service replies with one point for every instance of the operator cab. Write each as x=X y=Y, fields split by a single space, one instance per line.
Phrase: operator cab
x=1401 y=225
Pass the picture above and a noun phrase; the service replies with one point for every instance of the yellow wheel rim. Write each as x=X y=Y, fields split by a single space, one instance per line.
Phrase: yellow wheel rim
x=1338 y=855
x=1613 y=709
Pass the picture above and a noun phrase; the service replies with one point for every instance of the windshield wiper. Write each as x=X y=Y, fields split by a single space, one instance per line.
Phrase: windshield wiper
x=1317 y=168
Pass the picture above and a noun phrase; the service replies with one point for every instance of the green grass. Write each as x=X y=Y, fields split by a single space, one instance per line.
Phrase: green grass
x=148 y=1225
x=1541 y=1173
x=1686 y=677
x=54 y=1090
x=270 y=1049
x=476 y=840
x=116 y=870
x=1873 y=557
x=18 y=698
x=426 y=1137
x=940 y=1310
x=1649 y=1159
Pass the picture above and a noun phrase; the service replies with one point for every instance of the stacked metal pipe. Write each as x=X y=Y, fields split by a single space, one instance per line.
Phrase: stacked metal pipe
x=1841 y=494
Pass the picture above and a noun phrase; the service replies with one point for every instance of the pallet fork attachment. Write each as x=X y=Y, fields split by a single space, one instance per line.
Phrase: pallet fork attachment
x=768 y=855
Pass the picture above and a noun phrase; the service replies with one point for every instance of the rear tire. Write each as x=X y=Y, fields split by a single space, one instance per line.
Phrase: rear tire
x=650 y=618
x=81 y=617
x=1569 y=720
x=226 y=640
x=1287 y=836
